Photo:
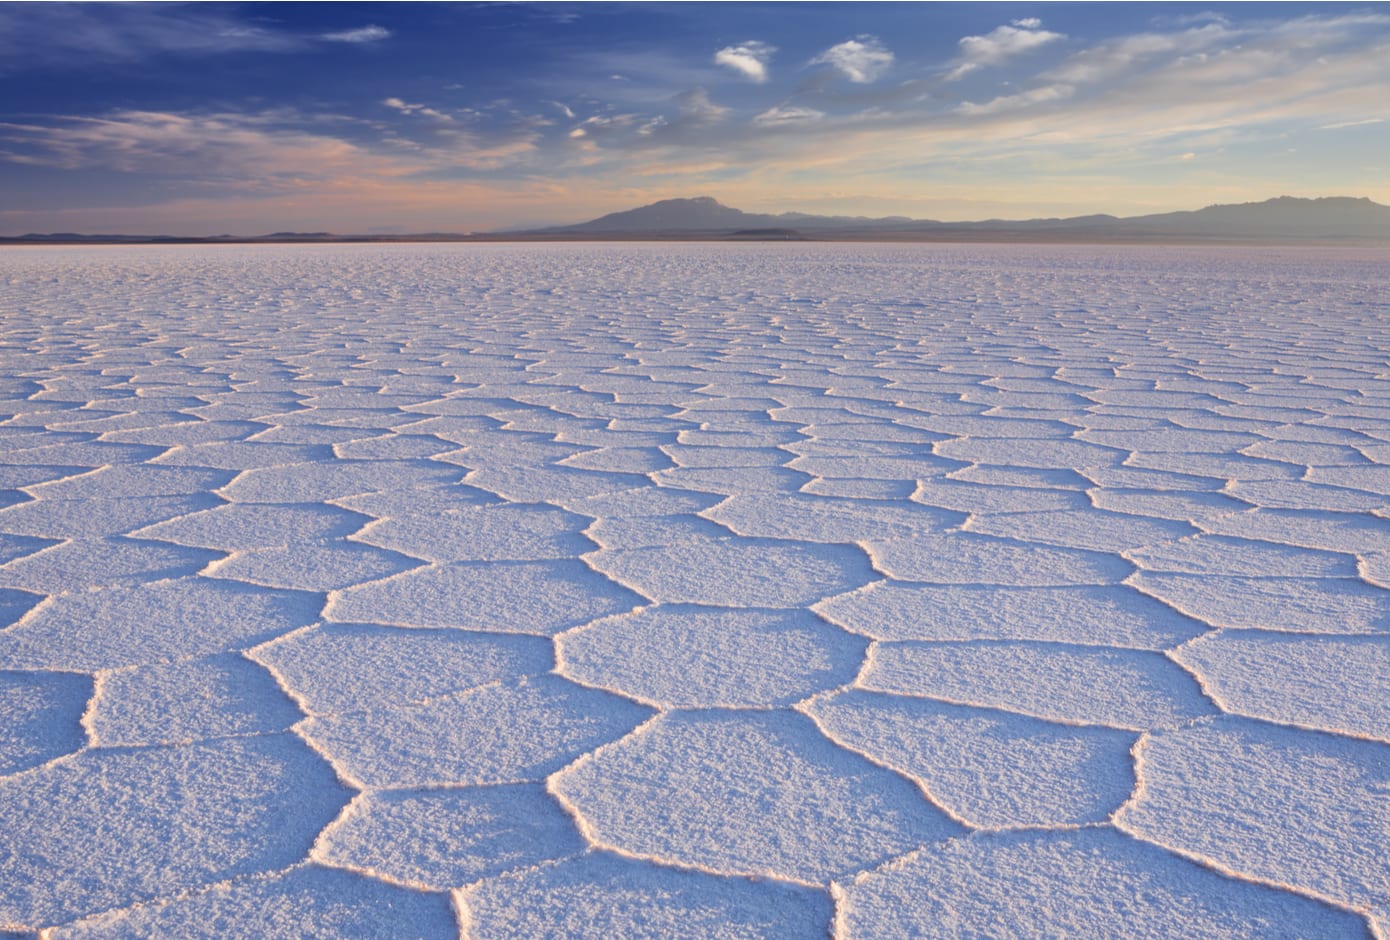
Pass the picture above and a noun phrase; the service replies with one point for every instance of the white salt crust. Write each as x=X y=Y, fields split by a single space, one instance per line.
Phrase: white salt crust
x=694 y=591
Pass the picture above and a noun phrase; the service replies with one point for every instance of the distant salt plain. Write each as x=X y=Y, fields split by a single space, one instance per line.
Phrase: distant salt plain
x=695 y=591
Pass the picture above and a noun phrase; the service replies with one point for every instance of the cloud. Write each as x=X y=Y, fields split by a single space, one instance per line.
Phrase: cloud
x=604 y=125
x=63 y=35
x=748 y=59
x=261 y=152
x=1001 y=44
x=687 y=120
x=1206 y=16
x=696 y=108
x=406 y=107
x=861 y=60
x=1341 y=124
x=67 y=35
x=1109 y=59
x=359 y=35
x=213 y=146
x=1016 y=102
x=784 y=116
x=462 y=150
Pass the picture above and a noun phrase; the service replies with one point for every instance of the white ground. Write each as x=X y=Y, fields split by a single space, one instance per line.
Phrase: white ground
x=695 y=591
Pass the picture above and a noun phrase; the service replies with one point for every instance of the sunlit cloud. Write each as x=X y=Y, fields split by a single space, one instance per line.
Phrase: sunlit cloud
x=220 y=146
x=1000 y=45
x=1341 y=124
x=416 y=109
x=862 y=60
x=748 y=59
x=1024 y=99
x=601 y=125
x=783 y=116
x=1115 y=57
x=362 y=34
x=254 y=152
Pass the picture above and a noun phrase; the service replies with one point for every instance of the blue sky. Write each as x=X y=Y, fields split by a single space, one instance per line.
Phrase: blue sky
x=250 y=118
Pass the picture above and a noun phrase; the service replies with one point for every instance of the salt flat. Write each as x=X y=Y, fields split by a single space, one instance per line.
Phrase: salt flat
x=695 y=591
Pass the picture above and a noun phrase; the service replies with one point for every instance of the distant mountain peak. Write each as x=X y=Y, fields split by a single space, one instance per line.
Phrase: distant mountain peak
x=1309 y=202
x=697 y=213
x=1280 y=218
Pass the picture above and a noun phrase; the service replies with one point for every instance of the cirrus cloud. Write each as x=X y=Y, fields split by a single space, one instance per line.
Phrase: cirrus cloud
x=220 y=147
x=789 y=115
x=1019 y=101
x=361 y=34
x=406 y=107
x=1001 y=44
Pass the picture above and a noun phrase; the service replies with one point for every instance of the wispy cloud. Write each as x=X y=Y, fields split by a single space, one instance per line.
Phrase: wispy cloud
x=782 y=116
x=72 y=34
x=260 y=152
x=1115 y=57
x=697 y=118
x=361 y=34
x=695 y=106
x=862 y=59
x=748 y=59
x=61 y=34
x=1025 y=99
x=1341 y=124
x=218 y=147
x=605 y=125
x=1206 y=16
x=405 y=107
x=1001 y=44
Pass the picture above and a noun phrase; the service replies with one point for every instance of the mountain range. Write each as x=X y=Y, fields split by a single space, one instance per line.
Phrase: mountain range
x=1285 y=219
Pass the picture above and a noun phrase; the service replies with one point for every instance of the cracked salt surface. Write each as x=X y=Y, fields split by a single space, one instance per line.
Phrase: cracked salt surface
x=698 y=590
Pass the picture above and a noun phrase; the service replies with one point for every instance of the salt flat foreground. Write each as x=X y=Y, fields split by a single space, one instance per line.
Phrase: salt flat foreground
x=695 y=591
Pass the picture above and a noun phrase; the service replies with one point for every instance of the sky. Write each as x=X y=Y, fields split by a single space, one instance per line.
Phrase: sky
x=244 y=119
